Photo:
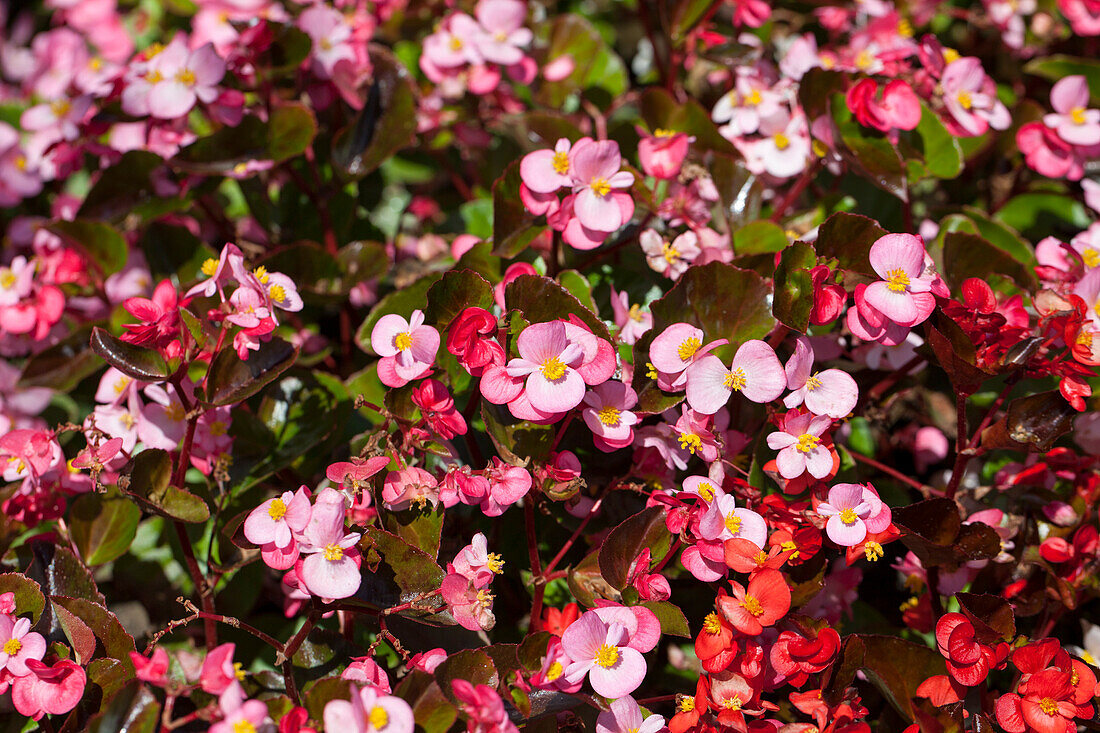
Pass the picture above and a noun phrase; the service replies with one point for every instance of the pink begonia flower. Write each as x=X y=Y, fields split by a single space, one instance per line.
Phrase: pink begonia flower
x=904 y=293
x=28 y=453
x=330 y=571
x=18 y=644
x=352 y=475
x=163 y=419
x=153 y=669
x=249 y=308
x=368 y=712
x=366 y=672
x=17 y=280
x=476 y=563
x=830 y=392
x=407 y=348
x=471 y=607
x=743 y=107
x=594 y=169
x=650 y=586
x=784 y=150
x=504 y=36
x=695 y=436
x=601 y=652
x=625 y=716
x=632 y=321
x=219 y=671
x=671 y=259
x=331 y=35
x=853 y=512
x=675 y=349
x=970 y=97
x=18 y=176
x=551 y=675
x=1072 y=119
x=238 y=713
x=59 y=119
x=607 y=414
x=755 y=372
x=930 y=446
x=409 y=486
x=507 y=485
x=96 y=457
x=724 y=520
x=48 y=690
x=546 y=171
x=868 y=323
x=1083 y=16
x=453 y=45
x=170 y=82
x=230 y=264
x=799 y=446
x=483 y=706
x=662 y=153
x=1047 y=153
x=549 y=360
x=278 y=289
x=272 y=526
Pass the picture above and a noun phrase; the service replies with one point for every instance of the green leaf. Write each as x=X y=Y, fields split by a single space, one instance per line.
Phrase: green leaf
x=933 y=530
x=232 y=380
x=56 y=568
x=76 y=631
x=385 y=124
x=415 y=570
x=101 y=243
x=969 y=255
x=28 y=594
x=456 y=291
x=794 y=289
x=596 y=66
x=431 y=709
x=133 y=361
x=513 y=226
x=848 y=238
x=646 y=529
x=122 y=189
x=102 y=526
x=133 y=709
x=418 y=527
x=759 y=237
x=673 y=621
x=943 y=156
x=897 y=667
x=876 y=160
x=1037 y=215
x=402 y=302
x=1059 y=66
x=517 y=441
x=723 y=300
x=149 y=482
x=319 y=693
x=473 y=665
x=540 y=299
x=688 y=14
x=287 y=133
x=579 y=287
x=62 y=366
x=116 y=643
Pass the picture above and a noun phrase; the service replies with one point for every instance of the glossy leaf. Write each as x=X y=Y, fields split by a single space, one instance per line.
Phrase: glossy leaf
x=137 y=362
x=62 y=366
x=646 y=529
x=723 y=300
x=431 y=708
x=101 y=243
x=541 y=299
x=848 y=238
x=759 y=237
x=513 y=226
x=233 y=380
x=661 y=112
x=933 y=530
x=473 y=665
x=286 y=134
x=453 y=293
x=794 y=288
x=28 y=594
x=414 y=569
x=969 y=255
x=102 y=526
x=149 y=477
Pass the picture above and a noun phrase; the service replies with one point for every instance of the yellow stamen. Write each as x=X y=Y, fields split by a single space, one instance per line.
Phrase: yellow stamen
x=1091 y=257
x=782 y=142
x=733 y=523
x=670 y=253
x=908 y=604
x=607 y=656
x=873 y=551
x=261 y=274
x=378 y=717
x=277 y=510
x=243 y=726
x=897 y=280
x=553 y=368
x=790 y=546
x=186 y=77
x=554 y=671
x=735 y=380
x=650 y=370
x=238 y=670
x=403 y=341
x=484 y=597
x=561 y=163
x=754 y=98
x=732 y=703
x=333 y=552
x=661 y=132
x=609 y=416
x=1048 y=705
x=848 y=516
x=277 y=293
x=706 y=490
x=635 y=313
x=691 y=442
x=686 y=704
x=813 y=383
x=60 y=107
x=456 y=43
x=711 y=624
x=1077 y=114
x=494 y=563
x=600 y=186
x=154 y=77
x=950 y=54
x=209 y=267
x=807 y=443
x=752 y=605
x=905 y=28
x=965 y=100
x=687 y=348
x=12 y=647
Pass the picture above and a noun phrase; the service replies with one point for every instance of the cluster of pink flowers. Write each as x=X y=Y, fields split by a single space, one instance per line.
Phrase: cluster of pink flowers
x=37 y=688
x=1066 y=139
x=466 y=587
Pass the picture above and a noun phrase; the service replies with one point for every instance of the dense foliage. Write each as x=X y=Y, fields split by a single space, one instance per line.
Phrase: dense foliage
x=688 y=365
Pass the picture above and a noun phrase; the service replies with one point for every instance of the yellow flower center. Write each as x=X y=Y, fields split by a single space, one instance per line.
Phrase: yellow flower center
x=186 y=77
x=561 y=163
x=378 y=717
x=735 y=380
x=175 y=412
x=238 y=671
x=711 y=624
x=277 y=510
x=686 y=704
x=153 y=49
x=791 y=547
x=909 y=604
x=243 y=726
x=600 y=186
x=60 y=107
x=813 y=383
x=706 y=490
x=733 y=523
x=218 y=428
x=897 y=281
x=1091 y=257
x=635 y=313
x=609 y=416
x=806 y=443
x=754 y=98
x=732 y=703
x=554 y=671
x=607 y=656
x=333 y=552
x=127 y=420
x=670 y=253
x=494 y=563
x=661 y=132
x=121 y=384
x=848 y=516
x=12 y=647
x=261 y=274
x=905 y=28
x=209 y=267
x=873 y=551
x=456 y=43
x=950 y=54
x=95 y=63
x=687 y=348
x=326 y=44
x=7 y=278
x=154 y=77
x=650 y=370
x=782 y=142
x=752 y=605
x=965 y=100
x=865 y=59
x=484 y=597
x=278 y=293
x=819 y=148
x=1077 y=114
x=1088 y=658
x=760 y=558
x=1048 y=705
x=553 y=368
x=403 y=341
x=691 y=442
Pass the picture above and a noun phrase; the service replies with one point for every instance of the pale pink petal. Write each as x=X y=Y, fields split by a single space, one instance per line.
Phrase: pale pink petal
x=897 y=252
x=384 y=333
x=764 y=375
x=559 y=395
x=835 y=395
x=707 y=385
